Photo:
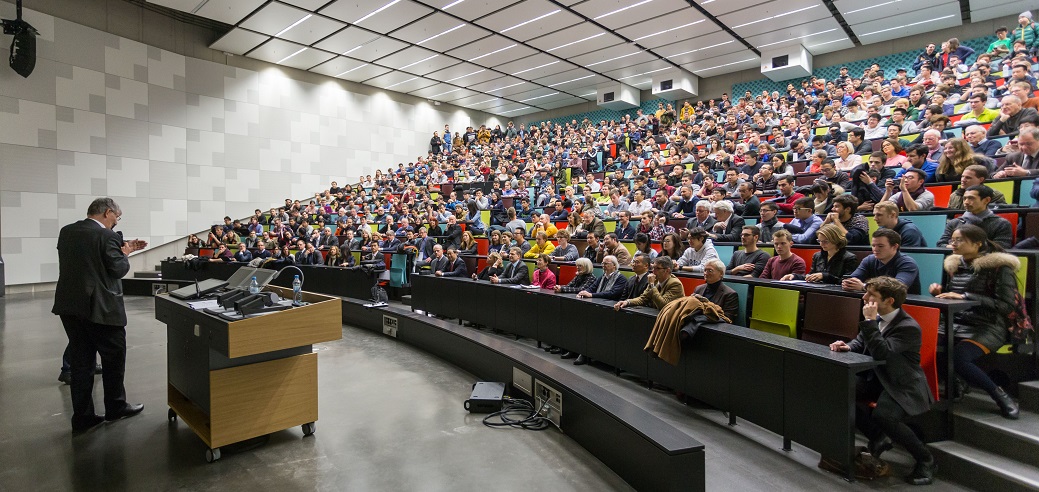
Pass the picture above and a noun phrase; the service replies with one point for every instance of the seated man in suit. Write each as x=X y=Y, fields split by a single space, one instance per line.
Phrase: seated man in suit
x=373 y=257
x=1026 y=161
x=261 y=251
x=899 y=387
x=661 y=287
x=516 y=273
x=716 y=291
x=455 y=266
x=309 y=256
x=438 y=262
x=611 y=285
x=243 y=255
x=637 y=283
x=728 y=225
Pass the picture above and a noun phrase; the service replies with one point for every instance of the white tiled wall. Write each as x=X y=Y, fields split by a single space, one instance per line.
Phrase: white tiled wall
x=178 y=142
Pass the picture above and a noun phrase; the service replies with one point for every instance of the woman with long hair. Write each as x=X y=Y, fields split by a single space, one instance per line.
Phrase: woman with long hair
x=671 y=246
x=832 y=262
x=468 y=246
x=978 y=270
x=956 y=156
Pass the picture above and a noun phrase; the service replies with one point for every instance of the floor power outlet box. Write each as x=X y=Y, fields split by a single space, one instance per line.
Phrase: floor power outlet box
x=549 y=402
x=522 y=381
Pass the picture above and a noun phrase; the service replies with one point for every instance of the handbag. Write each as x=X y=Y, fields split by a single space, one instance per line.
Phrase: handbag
x=1021 y=329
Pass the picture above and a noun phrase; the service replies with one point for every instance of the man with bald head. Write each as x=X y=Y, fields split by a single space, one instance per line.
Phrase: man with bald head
x=1010 y=116
x=979 y=143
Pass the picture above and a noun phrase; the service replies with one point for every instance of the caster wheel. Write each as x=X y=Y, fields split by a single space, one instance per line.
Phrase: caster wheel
x=309 y=429
x=212 y=455
x=171 y=415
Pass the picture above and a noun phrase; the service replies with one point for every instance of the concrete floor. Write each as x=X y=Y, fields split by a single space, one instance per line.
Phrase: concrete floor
x=391 y=418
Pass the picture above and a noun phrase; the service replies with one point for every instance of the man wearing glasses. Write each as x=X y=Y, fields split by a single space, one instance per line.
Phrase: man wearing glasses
x=975 y=135
x=92 y=257
x=661 y=288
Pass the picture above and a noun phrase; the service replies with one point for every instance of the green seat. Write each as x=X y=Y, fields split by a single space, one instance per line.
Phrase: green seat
x=1004 y=187
x=610 y=225
x=873 y=225
x=771 y=311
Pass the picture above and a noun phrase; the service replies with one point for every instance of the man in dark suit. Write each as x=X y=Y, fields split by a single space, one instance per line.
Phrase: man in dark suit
x=898 y=387
x=307 y=255
x=516 y=273
x=437 y=262
x=637 y=283
x=1025 y=162
x=703 y=217
x=611 y=285
x=716 y=291
x=455 y=266
x=453 y=234
x=89 y=299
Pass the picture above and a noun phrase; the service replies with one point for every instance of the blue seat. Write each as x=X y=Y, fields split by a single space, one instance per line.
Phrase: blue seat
x=725 y=253
x=743 y=290
x=930 y=265
x=398 y=270
x=931 y=226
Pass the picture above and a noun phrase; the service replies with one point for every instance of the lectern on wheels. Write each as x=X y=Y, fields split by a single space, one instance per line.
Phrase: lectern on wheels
x=236 y=380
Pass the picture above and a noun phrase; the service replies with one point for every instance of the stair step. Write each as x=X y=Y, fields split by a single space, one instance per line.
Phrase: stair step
x=977 y=422
x=406 y=300
x=982 y=470
x=147 y=274
x=1028 y=392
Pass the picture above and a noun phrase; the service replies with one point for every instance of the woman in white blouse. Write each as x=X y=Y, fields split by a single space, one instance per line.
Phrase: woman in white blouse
x=846 y=159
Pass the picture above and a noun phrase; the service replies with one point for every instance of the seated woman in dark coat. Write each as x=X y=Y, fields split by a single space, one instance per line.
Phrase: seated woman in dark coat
x=832 y=262
x=584 y=280
x=494 y=267
x=979 y=271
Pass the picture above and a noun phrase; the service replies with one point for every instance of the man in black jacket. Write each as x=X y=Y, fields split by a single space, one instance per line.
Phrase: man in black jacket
x=516 y=273
x=89 y=299
x=611 y=285
x=455 y=266
x=898 y=387
x=976 y=200
x=637 y=283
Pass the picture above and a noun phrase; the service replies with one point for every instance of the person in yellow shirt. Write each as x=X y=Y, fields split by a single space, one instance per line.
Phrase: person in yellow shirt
x=541 y=246
x=978 y=112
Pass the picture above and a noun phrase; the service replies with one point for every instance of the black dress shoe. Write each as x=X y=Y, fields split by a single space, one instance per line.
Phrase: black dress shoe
x=129 y=410
x=877 y=448
x=65 y=377
x=923 y=473
x=568 y=355
x=555 y=350
x=580 y=360
x=81 y=424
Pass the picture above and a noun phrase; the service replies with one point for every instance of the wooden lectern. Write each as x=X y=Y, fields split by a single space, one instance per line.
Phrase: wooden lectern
x=236 y=380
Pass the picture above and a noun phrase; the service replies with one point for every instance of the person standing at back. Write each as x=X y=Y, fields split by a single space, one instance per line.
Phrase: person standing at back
x=92 y=258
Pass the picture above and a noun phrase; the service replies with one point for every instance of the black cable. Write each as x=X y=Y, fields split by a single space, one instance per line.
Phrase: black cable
x=529 y=418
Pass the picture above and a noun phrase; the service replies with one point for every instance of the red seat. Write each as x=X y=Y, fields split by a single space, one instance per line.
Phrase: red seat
x=566 y=274
x=690 y=283
x=928 y=318
x=941 y=194
x=806 y=255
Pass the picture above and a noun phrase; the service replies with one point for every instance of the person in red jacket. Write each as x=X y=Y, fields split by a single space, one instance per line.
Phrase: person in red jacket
x=787 y=195
x=543 y=277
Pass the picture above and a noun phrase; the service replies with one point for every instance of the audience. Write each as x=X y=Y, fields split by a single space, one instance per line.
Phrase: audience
x=832 y=262
x=716 y=291
x=784 y=262
x=749 y=261
x=886 y=261
x=661 y=287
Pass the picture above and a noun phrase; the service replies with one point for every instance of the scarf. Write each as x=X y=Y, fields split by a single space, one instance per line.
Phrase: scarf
x=975 y=219
x=915 y=194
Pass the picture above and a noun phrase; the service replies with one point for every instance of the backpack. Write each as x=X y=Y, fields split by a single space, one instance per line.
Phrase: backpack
x=379 y=294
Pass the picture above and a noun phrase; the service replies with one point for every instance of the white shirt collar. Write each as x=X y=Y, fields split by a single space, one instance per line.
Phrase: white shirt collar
x=98 y=222
x=885 y=319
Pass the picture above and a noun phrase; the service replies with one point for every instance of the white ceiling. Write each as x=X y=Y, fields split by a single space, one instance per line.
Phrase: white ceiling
x=514 y=57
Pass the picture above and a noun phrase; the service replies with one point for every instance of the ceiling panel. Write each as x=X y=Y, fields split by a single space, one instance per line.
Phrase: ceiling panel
x=574 y=78
x=336 y=66
x=313 y=29
x=347 y=39
x=541 y=27
x=562 y=103
x=857 y=12
x=378 y=48
x=731 y=62
x=909 y=23
x=586 y=92
x=275 y=50
x=492 y=51
x=673 y=28
x=615 y=14
x=505 y=20
x=470 y=9
x=474 y=100
x=535 y=67
x=774 y=15
x=458 y=33
x=443 y=92
x=228 y=11
x=638 y=73
x=393 y=16
x=502 y=86
x=701 y=48
x=602 y=64
x=720 y=7
x=831 y=46
x=464 y=74
x=532 y=94
x=992 y=9
x=816 y=31
x=398 y=81
x=238 y=41
x=575 y=40
x=308 y=58
x=407 y=57
x=364 y=72
x=311 y=5
x=273 y=18
x=182 y=5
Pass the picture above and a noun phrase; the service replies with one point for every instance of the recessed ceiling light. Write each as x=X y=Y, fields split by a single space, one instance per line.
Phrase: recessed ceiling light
x=351 y=50
x=401 y=82
x=784 y=14
x=521 y=24
x=448 y=92
x=571 y=80
x=644 y=73
x=352 y=69
x=800 y=38
x=537 y=67
x=612 y=59
x=669 y=30
x=907 y=25
x=384 y=7
x=586 y=95
x=420 y=61
x=517 y=109
x=537 y=97
x=827 y=42
x=506 y=87
x=622 y=9
x=279 y=62
x=578 y=41
x=493 y=52
x=703 y=48
x=294 y=24
x=452 y=4
x=441 y=34
x=727 y=64
x=466 y=75
x=871 y=7
x=487 y=101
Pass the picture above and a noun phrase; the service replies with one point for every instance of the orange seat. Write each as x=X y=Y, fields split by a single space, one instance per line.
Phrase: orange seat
x=941 y=195
x=928 y=319
x=690 y=283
